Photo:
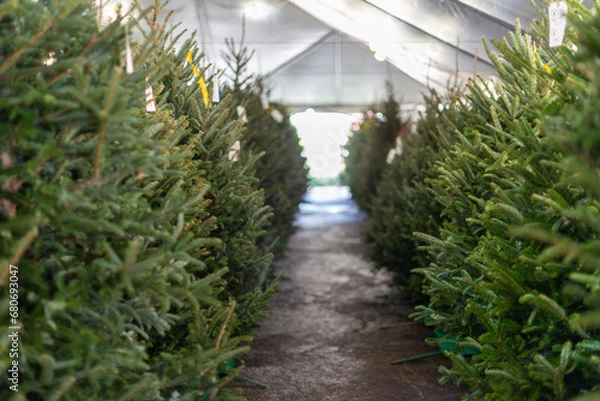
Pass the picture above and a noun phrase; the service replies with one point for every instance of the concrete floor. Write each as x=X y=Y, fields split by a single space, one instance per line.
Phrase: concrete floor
x=324 y=341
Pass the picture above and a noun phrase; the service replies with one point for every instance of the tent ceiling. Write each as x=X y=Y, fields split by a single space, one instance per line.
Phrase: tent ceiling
x=316 y=52
x=340 y=71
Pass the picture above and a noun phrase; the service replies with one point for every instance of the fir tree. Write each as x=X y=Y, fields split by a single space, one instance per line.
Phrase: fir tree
x=281 y=169
x=486 y=286
x=576 y=132
x=403 y=204
x=368 y=148
x=235 y=212
x=100 y=265
x=134 y=234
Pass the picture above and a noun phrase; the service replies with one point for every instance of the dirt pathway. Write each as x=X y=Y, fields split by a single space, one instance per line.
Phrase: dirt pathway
x=324 y=340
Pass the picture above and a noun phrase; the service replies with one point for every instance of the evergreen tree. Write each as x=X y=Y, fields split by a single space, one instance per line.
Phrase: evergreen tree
x=281 y=169
x=235 y=212
x=576 y=131
x=368 y=148
x=487 y=288
x=134 y=235
x=102 y=269
x=403 y=203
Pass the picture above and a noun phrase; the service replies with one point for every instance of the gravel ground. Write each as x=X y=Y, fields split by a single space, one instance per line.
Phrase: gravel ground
x=325 y=341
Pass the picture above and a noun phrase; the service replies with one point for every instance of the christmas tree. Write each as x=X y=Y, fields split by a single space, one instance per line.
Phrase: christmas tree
x=101 y=269
x=235 y=212
x=488 y=289
x=282 y=170
x=402 y=193
x=130 y=236
x=576 y=131
x=368 y=147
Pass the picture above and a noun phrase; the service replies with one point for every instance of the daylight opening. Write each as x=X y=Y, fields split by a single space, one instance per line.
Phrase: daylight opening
x=322 y=136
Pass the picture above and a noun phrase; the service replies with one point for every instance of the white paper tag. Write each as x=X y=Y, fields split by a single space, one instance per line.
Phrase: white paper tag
x=216 y=95
x=150 y=105
x=390 y=156
x=128 y=59
x=396 y=151
x=264 y=101
x=557 y=15
x=241 y=112
x=234 y=150
x=398 y=145
x=128 y=54
x=277 y=116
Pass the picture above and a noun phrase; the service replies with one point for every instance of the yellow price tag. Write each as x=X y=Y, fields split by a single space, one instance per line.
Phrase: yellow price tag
x=201 y=81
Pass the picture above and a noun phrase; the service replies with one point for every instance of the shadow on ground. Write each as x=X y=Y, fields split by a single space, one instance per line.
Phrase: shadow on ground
x=324 y=340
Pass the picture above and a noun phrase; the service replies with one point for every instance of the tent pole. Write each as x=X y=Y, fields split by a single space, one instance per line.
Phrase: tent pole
x=456 y=61
x=338 y=67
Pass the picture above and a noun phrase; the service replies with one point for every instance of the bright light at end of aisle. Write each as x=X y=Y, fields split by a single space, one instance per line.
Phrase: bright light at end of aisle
x=322 y=136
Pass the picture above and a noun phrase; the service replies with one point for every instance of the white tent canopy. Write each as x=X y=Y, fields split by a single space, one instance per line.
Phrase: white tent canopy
x=318 y=53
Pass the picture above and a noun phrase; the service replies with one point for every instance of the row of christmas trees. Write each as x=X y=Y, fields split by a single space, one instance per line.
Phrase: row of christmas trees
x=490 y=215
x=135 y=244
